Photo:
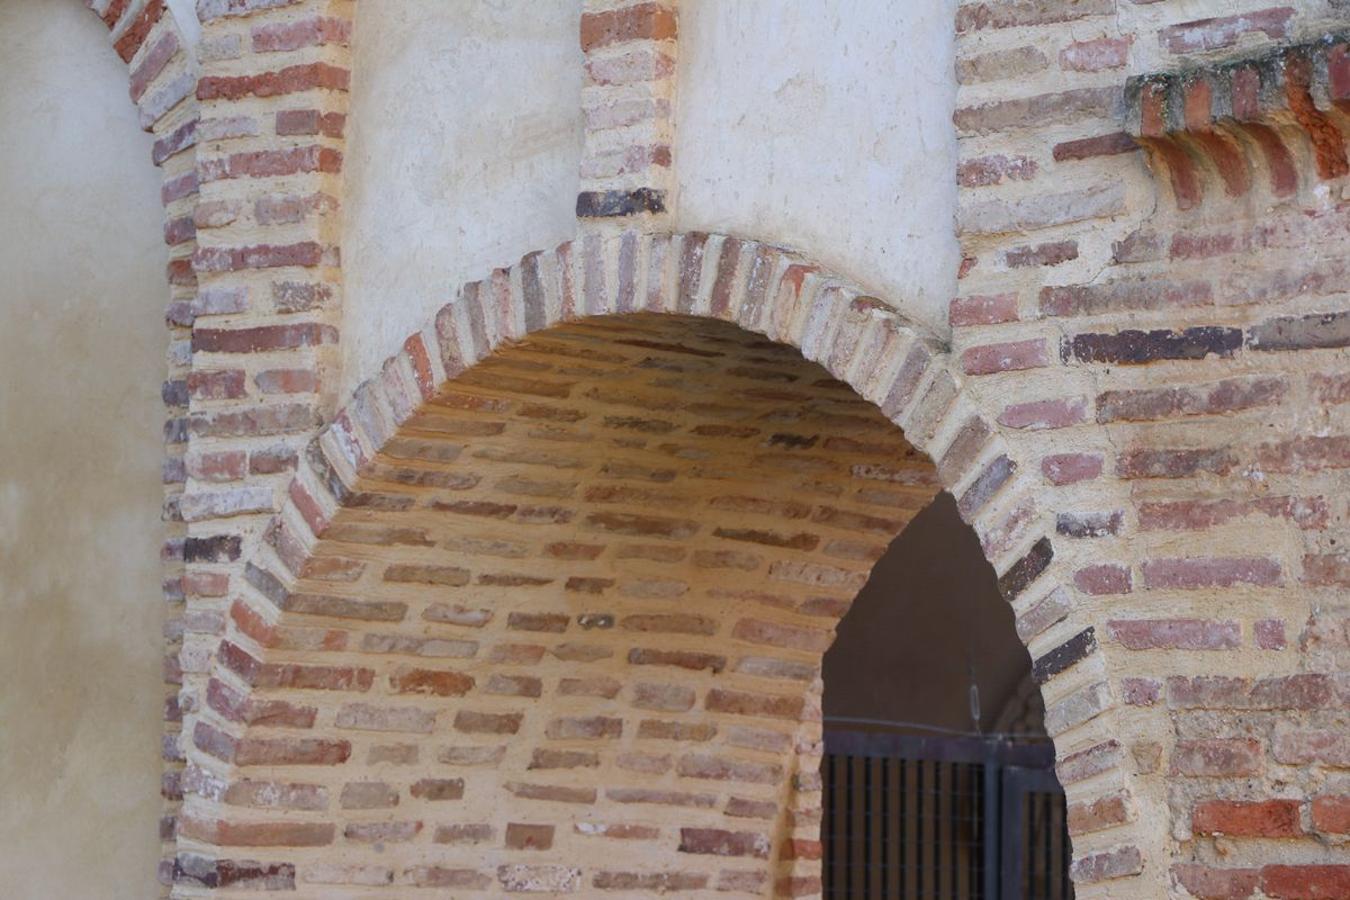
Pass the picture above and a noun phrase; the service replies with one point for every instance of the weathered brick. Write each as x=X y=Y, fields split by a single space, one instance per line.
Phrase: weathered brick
x=1216 y=883
x=1017 y=13
x=1310 y=882
x=1065 y=656
x=1006 y=357
x=1103 y=579
x=1203 y=35
x=981 y=309
x=1096 y=55
x=1175 y=634
x=1193 y=573
x=999 y=64
x=1217 y=757
x=1323 y=330
x=988 y=170
x=292 y=79
x=1051 y=253
x=640 y=22
x=720 y=842
x=1174 y=463
x=1134 y=347
x=1266 y=818
x=1086 y=817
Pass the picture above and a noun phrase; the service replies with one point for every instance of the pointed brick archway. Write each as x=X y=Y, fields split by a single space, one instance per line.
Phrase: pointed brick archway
x=545 y=607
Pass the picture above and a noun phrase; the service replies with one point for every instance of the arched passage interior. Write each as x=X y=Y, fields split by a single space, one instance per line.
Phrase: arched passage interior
x=567 y=630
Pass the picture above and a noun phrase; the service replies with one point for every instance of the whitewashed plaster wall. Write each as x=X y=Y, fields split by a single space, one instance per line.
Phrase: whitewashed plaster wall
x=82 y=341
x=465 y=141
x=463 y=155
x=826 y=127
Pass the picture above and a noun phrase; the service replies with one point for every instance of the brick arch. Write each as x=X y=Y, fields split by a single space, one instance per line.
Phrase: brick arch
x=348 y=654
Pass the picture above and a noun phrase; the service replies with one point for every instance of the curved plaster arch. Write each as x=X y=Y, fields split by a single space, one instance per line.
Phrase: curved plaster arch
x=858 y=339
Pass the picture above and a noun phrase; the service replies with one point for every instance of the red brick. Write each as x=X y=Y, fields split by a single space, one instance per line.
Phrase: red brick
x=989 y=170
x=989 y=309
x=720 y=842
x=1097 y=815
x=1103 y=579
x=437 y=683
x=1096 y=55
x=1217 y=757
x=1214 y=34
x=748 y=704
x=1266 y=818
x=641 y=22
x=1269 y=634
x=1331 y=813
x=1175 y=634
x=1036 y=415
x=153 y=63
x=1039 y=111
x=271 y=163
x=1316 y=882
x=292 y=79
x=1194 y=515
x=257 y=834
x=1159 y=463
x=1140 y=691
x=138 y=30
x=1103 y=145
x=1209 y=883
x=315 y=32
x=520 y=836
x=1012 y=14
x=306 y=254
x=1116 y=863
x=310 y=121
x=1007 y=357
x=1327 y=569
x=1051 y=253
x=1069 y=468
x=1191 y=573
x=1301 y=747
x=1305 y=454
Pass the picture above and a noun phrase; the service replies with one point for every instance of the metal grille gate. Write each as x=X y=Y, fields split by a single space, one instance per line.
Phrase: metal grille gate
x=918 y=818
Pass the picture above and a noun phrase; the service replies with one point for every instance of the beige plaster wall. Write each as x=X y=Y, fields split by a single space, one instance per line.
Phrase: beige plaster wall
x=463 y=154
x=825 y=127
x=81 y=359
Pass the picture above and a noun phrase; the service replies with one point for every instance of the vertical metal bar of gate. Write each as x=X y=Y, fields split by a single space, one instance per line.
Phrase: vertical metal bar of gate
x=951 y=818
x=993 y=796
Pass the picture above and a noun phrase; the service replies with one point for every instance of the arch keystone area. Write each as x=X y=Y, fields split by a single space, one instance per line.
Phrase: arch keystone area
x=545 y=605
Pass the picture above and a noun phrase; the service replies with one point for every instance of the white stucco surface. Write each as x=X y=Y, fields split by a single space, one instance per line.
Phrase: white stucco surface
x=463 y=155
x=825 y=127
x=82 y=341
x=185 y=14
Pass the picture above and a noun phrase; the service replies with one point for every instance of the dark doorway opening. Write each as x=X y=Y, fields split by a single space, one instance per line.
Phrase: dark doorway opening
x=938 y=774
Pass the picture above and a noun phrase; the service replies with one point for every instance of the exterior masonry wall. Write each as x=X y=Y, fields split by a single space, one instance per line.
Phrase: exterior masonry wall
x=769 y=96
x=1141 y=410
x=567 y=627
x=79 y=758
x=444 y=184
x=1189 y=354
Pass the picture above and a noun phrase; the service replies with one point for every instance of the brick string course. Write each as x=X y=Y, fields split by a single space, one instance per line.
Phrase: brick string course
x=413 y=650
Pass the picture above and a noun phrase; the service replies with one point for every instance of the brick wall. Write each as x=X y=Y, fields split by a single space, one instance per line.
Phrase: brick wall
x=1142 y=410
x=1152 y=248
